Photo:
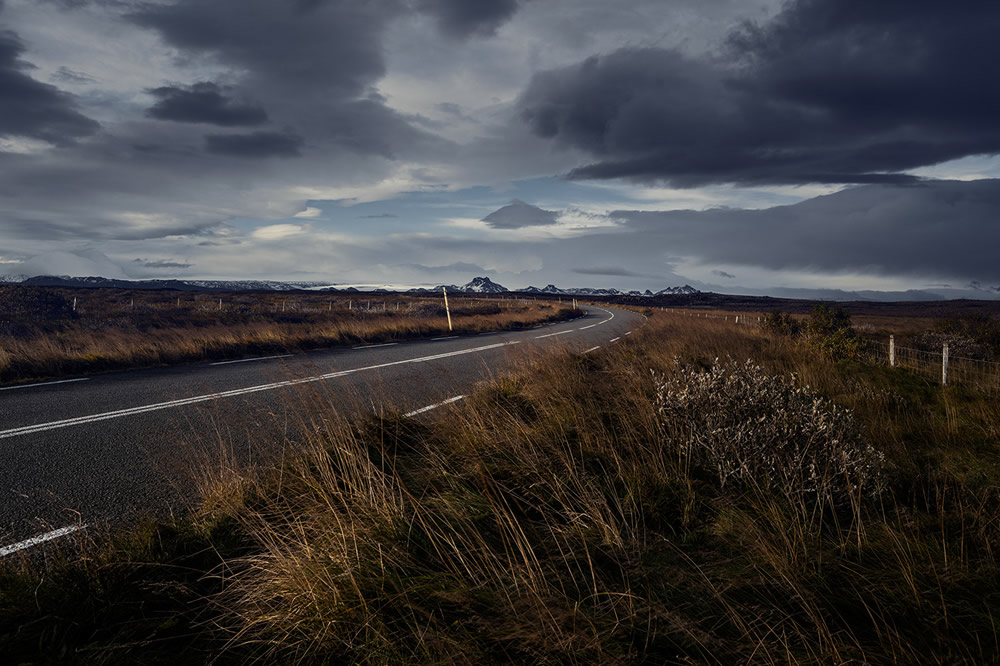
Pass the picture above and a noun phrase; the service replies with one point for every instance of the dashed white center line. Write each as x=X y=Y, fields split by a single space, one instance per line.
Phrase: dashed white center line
x=247 y=360
x=447 y=337
x=615 y=339
x=61 y=381
x=586 y=327
x=587 y=351
x=384 y=344
x=131 y=411
x=549 y=335
x=41 y=538
x=434 y=406
x=628 y=333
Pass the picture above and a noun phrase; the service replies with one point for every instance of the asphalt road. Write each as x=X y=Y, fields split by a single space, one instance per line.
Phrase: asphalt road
x=109 y=448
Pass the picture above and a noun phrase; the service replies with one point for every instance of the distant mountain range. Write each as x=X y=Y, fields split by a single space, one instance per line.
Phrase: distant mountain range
x=181 y=285
x=478 y=285
x=587 y=291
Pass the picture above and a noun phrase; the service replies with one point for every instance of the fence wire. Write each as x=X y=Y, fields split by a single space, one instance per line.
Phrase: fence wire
x=971 y=372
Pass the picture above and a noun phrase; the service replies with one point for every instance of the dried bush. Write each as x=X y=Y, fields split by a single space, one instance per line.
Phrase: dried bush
x=958 y=345
x=758 y=429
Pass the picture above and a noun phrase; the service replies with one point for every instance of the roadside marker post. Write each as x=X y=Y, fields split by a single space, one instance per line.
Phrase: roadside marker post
x=446 y=310
x=944 y=365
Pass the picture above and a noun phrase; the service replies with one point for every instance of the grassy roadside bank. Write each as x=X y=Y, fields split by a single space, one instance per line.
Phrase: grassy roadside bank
x=42 y=336
x=645 y=504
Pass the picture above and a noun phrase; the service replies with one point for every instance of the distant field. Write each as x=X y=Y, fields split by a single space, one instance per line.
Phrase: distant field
x=52 y=332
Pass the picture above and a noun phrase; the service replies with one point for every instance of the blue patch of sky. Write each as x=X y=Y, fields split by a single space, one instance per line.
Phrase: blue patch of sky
x=430 y=210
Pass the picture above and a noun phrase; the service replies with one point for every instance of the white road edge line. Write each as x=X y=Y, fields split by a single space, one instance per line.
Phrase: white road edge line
x=61 y=381
x=628 y=333
x=41 y=538
x=247 y=360
x=586 y=327
x=447 y=337
x=384 y=344
x=615 y=339
x=80 y=420
x=434 y=406
x=587 y=351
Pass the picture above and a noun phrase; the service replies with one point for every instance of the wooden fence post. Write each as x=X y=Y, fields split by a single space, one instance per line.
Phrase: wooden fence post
x=944 y=365
x=892 y=351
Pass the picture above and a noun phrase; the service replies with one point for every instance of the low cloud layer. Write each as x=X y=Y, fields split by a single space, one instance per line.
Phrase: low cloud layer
x=945 y=229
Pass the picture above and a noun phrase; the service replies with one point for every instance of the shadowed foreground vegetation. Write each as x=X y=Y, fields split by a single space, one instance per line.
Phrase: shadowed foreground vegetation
x=43 y=336
x=661 y=501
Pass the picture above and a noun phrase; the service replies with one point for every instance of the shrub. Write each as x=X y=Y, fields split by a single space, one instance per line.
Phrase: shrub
x=782 y=323
x=752 y=428
x=829 y=330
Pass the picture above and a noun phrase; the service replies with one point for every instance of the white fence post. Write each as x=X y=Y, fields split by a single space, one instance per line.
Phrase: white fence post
x=74 y=304
x=892 y=351
x=944 y=365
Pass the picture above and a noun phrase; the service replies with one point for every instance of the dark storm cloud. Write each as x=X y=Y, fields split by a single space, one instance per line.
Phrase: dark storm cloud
x=933 y=229
x=332 y=44
x=33 y=109
x=519 y=214
x=829 y=91
x=255 y=145
x=724 y=274
x=203 y=102
x=312 y=64
x=462 y=18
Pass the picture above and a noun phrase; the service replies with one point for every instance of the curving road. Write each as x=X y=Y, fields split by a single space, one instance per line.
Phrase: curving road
x=108 y=448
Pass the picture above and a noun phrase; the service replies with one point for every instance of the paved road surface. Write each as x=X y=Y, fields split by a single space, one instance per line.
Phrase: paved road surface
x=108 y=448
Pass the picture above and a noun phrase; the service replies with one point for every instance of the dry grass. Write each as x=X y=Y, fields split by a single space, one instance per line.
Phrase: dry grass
x=555 y=517
x=41 y=336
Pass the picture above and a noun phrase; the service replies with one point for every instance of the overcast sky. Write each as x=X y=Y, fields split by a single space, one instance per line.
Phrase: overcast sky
x=737 y=145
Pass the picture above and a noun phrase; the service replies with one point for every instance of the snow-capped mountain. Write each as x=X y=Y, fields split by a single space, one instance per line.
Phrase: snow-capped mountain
x=686 y=289
x=483 y=285
x=479 y=285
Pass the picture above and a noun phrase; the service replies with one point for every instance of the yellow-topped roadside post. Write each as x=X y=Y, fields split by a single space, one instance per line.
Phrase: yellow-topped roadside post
x=446 y=310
